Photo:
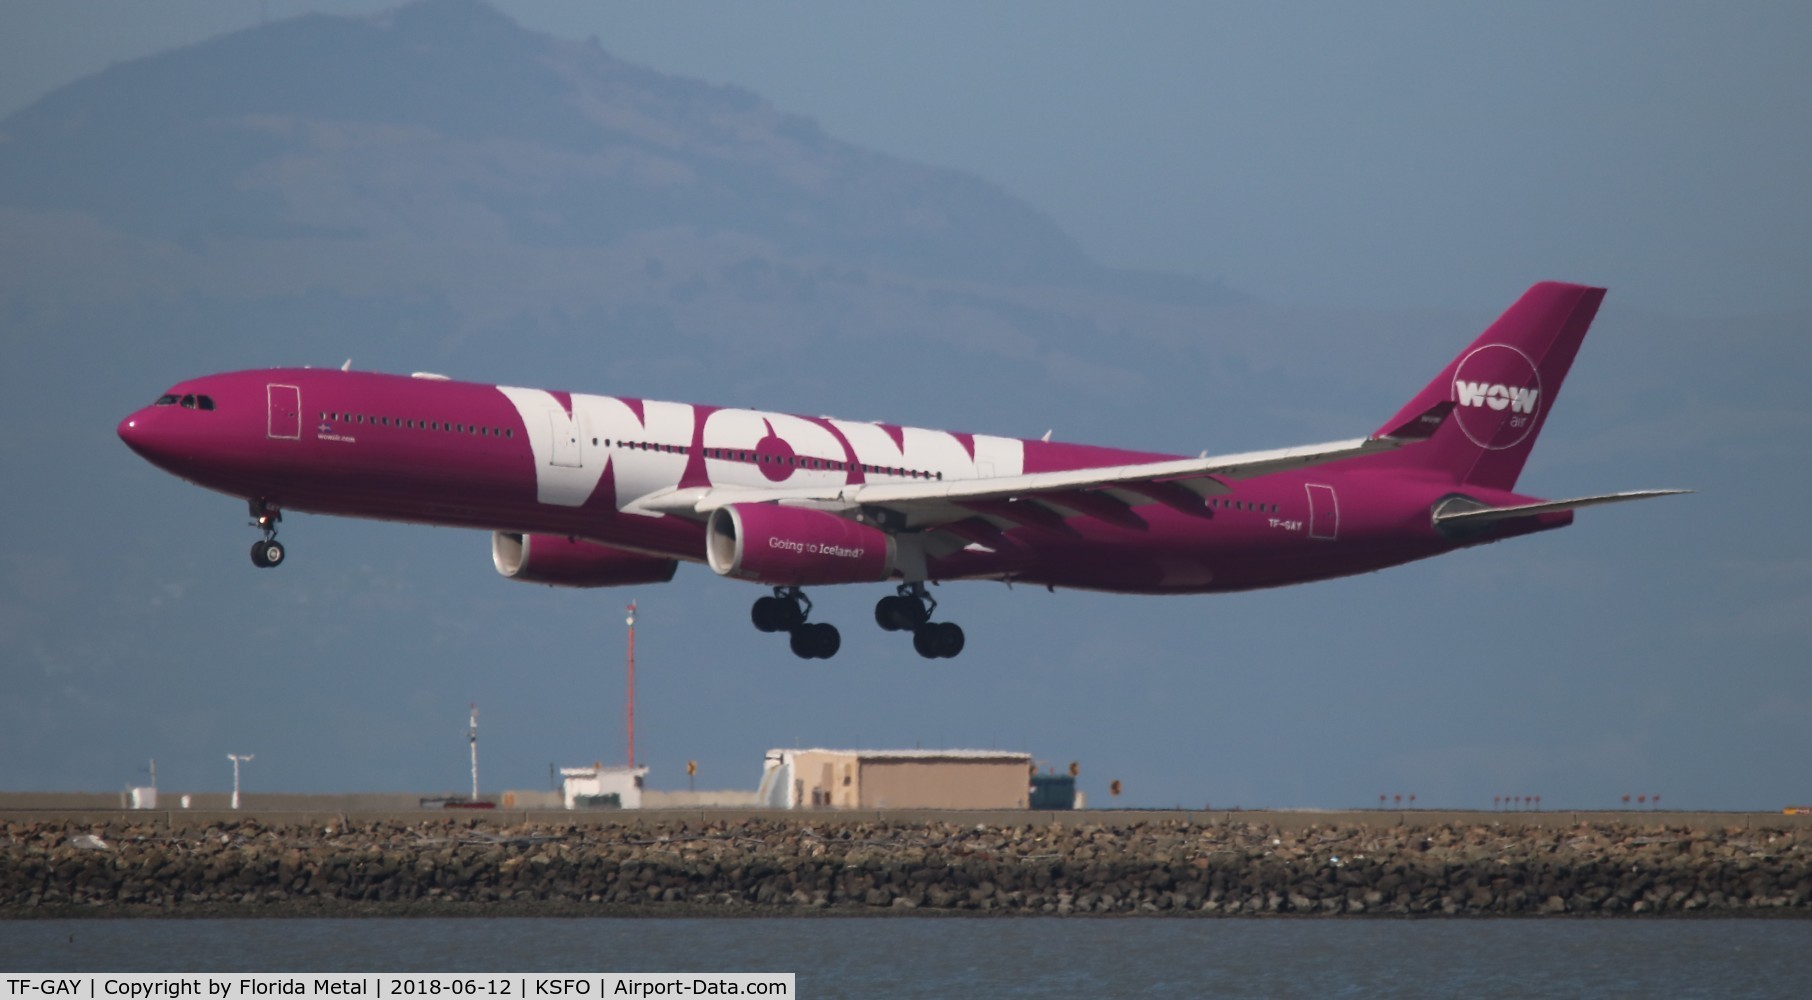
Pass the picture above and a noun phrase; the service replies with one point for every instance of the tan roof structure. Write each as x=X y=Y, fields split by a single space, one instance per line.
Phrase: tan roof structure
x=895 y=779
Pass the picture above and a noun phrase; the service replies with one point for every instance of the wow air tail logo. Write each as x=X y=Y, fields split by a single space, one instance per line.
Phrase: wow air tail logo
x=1497 y=393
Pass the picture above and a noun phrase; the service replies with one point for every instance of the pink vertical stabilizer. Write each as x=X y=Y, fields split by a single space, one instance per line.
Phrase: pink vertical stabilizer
x=1502 y=386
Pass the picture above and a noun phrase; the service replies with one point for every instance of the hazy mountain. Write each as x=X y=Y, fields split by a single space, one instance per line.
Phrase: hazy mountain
x=316 y=127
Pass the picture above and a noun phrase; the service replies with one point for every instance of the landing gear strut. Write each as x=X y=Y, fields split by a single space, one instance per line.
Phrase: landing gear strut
x=269 y=551
x=786 y=611
x=909 y=610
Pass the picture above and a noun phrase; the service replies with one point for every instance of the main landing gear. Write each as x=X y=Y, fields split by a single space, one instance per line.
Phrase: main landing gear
x=909 y=610
x=786 y=611
x=269 y=552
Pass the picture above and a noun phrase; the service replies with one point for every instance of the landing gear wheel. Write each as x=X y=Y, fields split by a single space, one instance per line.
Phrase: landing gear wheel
x=905 y=611
x=949 y=640
x=938 y=640
x=901 y=613
x=783 y=612
x=816 y=642
x=268 y=552
x=789 y=614
x=766 y=614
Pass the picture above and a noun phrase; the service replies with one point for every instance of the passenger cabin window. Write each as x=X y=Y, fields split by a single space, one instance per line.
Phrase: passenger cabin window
x=206 y=403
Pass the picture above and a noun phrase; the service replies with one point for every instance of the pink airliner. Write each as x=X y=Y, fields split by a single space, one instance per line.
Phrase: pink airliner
x=598 y=491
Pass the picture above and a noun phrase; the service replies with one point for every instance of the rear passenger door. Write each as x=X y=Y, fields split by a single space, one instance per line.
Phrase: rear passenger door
x=1324 y=512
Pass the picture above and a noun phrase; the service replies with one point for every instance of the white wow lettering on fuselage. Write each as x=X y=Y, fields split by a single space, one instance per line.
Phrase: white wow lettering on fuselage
x=1519 y=400
x=741 y=448
x=571 y=452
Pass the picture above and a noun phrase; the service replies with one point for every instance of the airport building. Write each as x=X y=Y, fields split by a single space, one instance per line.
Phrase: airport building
x=895 y=779
x=600 y=787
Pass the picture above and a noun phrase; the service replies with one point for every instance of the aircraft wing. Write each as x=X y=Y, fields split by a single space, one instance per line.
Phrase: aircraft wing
x=1041 y=498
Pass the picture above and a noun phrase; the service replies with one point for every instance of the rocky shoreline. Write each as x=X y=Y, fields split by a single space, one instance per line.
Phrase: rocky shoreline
x=824 y=864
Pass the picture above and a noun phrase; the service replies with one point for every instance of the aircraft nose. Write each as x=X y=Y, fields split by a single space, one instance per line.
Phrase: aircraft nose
x=128 y=430
x=137 y=432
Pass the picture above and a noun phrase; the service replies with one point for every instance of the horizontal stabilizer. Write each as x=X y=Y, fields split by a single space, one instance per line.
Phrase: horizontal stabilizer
x=1459 y=510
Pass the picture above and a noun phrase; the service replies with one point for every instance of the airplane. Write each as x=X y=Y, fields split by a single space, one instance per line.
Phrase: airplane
x=596 y=491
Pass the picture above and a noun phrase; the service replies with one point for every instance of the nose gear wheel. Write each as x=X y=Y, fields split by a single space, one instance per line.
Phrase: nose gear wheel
x=267 y=552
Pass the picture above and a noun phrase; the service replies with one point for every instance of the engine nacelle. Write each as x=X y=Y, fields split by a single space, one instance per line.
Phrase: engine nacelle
x=795 y=546
x=559 y=561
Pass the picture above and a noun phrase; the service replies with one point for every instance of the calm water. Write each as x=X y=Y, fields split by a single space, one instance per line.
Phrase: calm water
x=997 y=957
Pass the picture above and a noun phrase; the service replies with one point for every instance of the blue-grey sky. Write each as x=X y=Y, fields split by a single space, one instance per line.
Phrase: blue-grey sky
x=1321 y=153
x=1387 y=176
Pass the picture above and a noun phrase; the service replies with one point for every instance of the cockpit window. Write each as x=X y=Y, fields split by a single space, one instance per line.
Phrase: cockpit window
x=188 y=401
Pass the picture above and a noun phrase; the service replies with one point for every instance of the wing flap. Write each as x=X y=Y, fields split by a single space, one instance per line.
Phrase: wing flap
x=1026 y=513
x=1100 y=505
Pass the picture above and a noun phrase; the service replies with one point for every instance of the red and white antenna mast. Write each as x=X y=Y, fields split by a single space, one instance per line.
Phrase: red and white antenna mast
x=631 y=623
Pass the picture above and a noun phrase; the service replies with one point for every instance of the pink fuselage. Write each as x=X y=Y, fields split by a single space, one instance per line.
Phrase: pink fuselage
x=457 y=453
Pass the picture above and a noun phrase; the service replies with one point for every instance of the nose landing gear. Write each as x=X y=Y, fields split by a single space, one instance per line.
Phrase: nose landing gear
x=269 y=551
x=909 y=610
x=787 y=611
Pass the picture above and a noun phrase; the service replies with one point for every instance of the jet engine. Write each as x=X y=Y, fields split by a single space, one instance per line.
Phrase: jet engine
x=560 y=561
x=795 y=546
